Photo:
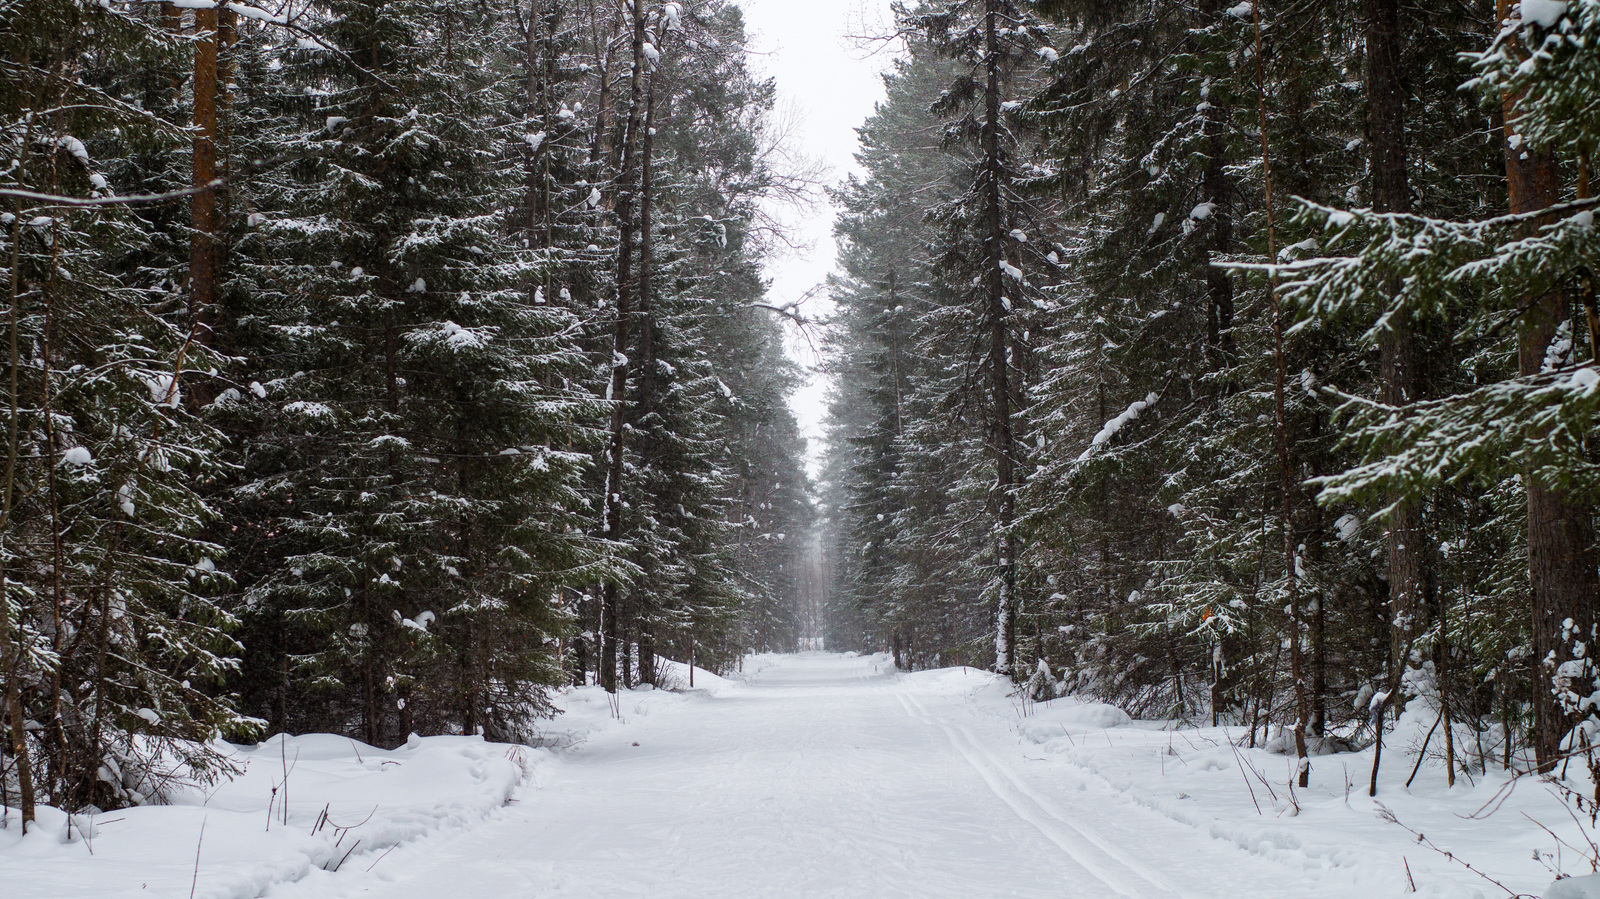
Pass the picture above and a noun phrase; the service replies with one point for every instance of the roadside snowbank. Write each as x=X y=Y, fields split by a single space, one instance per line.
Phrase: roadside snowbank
x=308 y=804
x=590 y=710
x=1198 y=777
x=345 y=803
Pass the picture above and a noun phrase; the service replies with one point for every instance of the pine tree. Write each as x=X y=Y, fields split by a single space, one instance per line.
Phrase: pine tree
x=984 y=238
x=112 y=629
x=416 y=453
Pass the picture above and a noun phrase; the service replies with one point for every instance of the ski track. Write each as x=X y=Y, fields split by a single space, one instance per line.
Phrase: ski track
x=823 y=776
x=1029 y=804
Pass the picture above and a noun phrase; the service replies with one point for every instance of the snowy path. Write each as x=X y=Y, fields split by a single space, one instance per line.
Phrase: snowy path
x=821 y=778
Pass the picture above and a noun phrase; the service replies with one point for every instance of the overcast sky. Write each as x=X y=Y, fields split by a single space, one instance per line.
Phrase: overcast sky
x=827 y=86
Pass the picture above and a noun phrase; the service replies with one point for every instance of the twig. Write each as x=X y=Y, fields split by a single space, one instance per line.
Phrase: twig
x=1423 y=752
x=195 y=881
x=1559 y=841
x=283 y=754
x=1247 y=786
x=342 y=860
x=358 y=823
x=47 y=200
x=383 y=856
x=1387 y=815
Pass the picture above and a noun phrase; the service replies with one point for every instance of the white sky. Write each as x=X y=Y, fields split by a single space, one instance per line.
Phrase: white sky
x=827 y=86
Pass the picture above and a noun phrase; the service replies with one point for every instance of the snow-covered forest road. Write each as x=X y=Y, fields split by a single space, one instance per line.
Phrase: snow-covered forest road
x=824 y=776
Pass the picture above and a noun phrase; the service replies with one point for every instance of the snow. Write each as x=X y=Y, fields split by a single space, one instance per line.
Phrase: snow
x=75 y=148
x=1243 y=10
x=1587 y=887
x=1545 y=12
x=374 y=800
x=453 y=336
x=419 y=624
x=1116 y=424
x=816 y=775
x=164 y=389
x=310 y=409
x=1070 y=716
x=78 y=455
x=258 y=14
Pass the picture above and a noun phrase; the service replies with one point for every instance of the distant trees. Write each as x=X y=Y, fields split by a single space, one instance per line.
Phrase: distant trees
x=324 y=335
x=1436 y=389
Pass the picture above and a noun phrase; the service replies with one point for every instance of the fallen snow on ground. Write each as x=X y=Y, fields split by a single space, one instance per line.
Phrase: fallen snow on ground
x=1232 y=797
x=347 y=803
x=820 y=775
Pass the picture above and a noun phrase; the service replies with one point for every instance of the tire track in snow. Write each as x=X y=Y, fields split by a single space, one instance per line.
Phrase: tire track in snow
x=1145 y=872
x=1039 y=812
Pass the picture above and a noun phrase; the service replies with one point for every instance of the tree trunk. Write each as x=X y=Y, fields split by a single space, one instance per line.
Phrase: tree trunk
x=203 y=205
x=894 y=355
x=1562 y=574
x=1218 y=189
x=1391 y=192
x=1319 y=669
x=644 y=617
x=601 y=149
x=626 y=201
x=11 y=629
x=1003 y=442
x=1286 y=486
x=532 y=155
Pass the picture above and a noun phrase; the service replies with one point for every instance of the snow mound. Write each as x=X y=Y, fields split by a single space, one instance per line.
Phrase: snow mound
x=1575 y=888
x=345 y=803
x=1050 y=720
x=956 y=680
x=1282 y=743
x=588 y=711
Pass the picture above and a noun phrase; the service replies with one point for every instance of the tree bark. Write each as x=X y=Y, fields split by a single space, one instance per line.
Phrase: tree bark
x=532 y=180
x=1562 y=572
x=1286 y=486
x=1391 y=192
x=602 y=149
x=1002 y=438
x=11 y=655
x=203 y=205
x=627 y=193
x=646 y=403
x=1218 y=189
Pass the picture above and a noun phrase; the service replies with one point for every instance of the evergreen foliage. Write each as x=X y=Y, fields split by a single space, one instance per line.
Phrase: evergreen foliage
x=1428 y=350
x=310 y=327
